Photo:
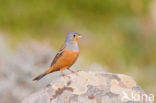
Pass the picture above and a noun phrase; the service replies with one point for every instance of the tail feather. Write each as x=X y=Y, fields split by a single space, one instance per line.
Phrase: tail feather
x=40 y=76
x=44 y=74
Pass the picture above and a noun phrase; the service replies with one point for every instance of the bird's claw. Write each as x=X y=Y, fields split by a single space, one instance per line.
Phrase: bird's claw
x=74 y=72
x=64 y=75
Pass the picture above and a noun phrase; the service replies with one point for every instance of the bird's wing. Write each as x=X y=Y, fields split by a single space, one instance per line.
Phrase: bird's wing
x=58 y=55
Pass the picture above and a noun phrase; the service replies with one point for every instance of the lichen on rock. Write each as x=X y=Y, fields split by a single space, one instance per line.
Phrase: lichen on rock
x=89 y=87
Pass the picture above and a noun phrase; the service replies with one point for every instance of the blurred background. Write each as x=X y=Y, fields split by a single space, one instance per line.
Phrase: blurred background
x=118 y=37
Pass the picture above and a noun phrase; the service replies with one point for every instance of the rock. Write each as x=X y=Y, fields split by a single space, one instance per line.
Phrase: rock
x=90 y=87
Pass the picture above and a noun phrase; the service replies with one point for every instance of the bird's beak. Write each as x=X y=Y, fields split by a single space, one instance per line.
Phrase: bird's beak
x=79 y=36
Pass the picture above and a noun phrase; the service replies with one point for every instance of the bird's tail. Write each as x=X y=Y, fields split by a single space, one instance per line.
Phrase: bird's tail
x=40 y=76
x=44 y=74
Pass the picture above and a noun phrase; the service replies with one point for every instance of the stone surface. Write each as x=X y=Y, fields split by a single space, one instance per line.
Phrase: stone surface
x=90 y=87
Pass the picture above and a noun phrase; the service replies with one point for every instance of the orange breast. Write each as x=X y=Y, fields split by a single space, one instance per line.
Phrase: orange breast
x=66 y=60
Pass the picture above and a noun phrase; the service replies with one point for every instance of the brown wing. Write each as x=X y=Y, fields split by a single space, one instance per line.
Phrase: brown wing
x=58 y=55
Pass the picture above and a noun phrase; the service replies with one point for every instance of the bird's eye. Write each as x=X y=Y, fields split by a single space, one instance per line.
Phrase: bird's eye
x=74 y=35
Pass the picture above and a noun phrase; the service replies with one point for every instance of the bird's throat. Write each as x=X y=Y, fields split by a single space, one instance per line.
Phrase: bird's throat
x=72 y=46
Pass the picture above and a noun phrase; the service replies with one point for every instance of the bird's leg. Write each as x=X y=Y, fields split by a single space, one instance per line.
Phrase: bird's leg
x=75 y=72
x=64 y=75
x=71 y=70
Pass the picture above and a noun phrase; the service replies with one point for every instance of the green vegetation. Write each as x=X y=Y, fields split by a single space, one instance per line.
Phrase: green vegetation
x=120 y=34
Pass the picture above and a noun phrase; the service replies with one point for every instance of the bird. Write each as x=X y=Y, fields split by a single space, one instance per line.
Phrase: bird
x=65 y=57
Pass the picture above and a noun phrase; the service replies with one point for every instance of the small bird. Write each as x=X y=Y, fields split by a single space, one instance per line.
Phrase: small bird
x=66 y=56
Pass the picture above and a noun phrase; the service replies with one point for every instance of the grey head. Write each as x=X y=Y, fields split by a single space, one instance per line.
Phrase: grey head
x=71 y=41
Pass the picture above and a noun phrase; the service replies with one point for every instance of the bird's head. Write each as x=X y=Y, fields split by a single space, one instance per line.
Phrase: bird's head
x=73 y=37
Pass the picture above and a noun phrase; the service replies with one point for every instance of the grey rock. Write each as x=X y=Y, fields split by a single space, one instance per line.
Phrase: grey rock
x=90 y=87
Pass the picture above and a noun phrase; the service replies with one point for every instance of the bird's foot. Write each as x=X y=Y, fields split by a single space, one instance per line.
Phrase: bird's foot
x=74 y=72
x=65 y=75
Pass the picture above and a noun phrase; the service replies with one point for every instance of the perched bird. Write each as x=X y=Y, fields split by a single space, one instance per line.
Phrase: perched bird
x=66 y=56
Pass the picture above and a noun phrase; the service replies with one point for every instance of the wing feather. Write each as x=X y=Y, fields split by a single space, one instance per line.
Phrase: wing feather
x=58 y=55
